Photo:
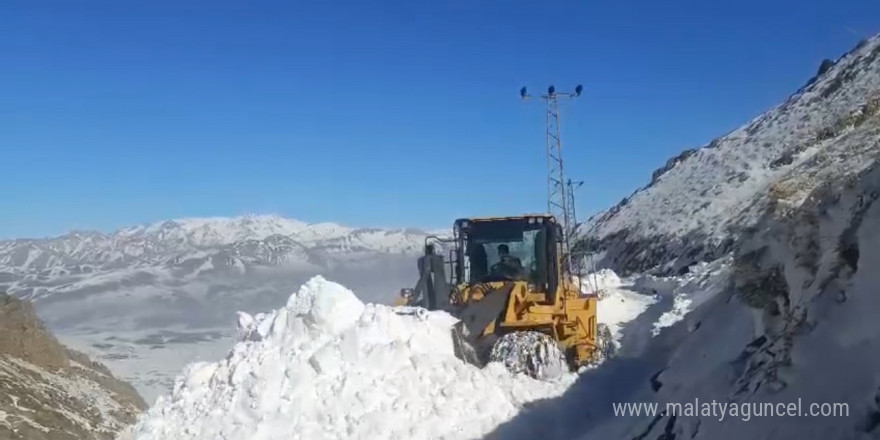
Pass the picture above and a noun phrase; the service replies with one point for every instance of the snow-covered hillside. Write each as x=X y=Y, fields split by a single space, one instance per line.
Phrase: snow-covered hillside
x=703 y=200
x=148 y=299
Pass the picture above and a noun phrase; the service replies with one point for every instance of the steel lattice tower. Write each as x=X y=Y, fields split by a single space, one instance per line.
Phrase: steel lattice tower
x=559 y=202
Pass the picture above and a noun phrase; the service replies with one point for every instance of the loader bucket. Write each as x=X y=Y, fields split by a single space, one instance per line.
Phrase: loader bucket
x=471 y=344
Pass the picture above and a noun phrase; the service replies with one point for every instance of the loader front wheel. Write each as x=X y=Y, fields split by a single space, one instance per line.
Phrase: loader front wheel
x=529 y=352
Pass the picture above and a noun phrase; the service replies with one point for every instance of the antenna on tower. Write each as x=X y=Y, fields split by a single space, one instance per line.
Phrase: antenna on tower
x=559 y=203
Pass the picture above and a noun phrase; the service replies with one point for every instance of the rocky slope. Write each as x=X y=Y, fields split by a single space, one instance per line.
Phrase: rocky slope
x=702 y=201
x=796 y=328
x=50 y=392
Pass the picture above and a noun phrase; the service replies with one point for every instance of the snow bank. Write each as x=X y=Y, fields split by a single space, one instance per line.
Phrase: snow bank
x=327 y=366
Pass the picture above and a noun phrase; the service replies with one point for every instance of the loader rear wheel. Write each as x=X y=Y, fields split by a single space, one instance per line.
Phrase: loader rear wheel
x=607 y=349
x=529 y=352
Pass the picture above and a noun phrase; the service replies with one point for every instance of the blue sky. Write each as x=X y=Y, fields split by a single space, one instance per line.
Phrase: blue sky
x=384 y=113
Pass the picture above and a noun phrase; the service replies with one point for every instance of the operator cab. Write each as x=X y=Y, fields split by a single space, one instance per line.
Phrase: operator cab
x=532 y=242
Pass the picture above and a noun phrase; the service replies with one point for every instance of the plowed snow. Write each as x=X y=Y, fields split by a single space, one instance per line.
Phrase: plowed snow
x=327 y=366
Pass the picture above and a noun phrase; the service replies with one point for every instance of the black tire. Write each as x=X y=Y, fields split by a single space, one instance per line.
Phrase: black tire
x=607 y=349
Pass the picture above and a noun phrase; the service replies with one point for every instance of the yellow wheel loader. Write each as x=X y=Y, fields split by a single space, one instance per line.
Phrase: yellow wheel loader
x=515 y=299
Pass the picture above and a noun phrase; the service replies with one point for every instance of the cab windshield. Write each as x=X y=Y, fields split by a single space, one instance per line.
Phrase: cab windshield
x=504 y=250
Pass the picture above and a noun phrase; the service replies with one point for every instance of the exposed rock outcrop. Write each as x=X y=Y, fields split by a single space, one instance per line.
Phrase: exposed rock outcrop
x=48 y=392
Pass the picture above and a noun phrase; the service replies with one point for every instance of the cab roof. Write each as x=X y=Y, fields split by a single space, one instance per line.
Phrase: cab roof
x=545 y=216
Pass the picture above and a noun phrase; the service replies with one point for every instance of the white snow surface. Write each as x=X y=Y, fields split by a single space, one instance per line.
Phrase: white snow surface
x=327 y=366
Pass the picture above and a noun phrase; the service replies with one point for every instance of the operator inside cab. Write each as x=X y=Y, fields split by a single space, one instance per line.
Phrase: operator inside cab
x=508 y=265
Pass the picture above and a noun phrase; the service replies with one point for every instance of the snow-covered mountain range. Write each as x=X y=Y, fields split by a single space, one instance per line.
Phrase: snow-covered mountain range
x=148 y=299
x=32 y=268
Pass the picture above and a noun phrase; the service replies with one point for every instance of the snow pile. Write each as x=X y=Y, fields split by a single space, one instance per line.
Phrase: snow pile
x=600 y=281
x=327 y=366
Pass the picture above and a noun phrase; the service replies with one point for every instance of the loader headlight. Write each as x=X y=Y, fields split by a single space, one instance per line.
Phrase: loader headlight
x=533 y=288
x=406 y=292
